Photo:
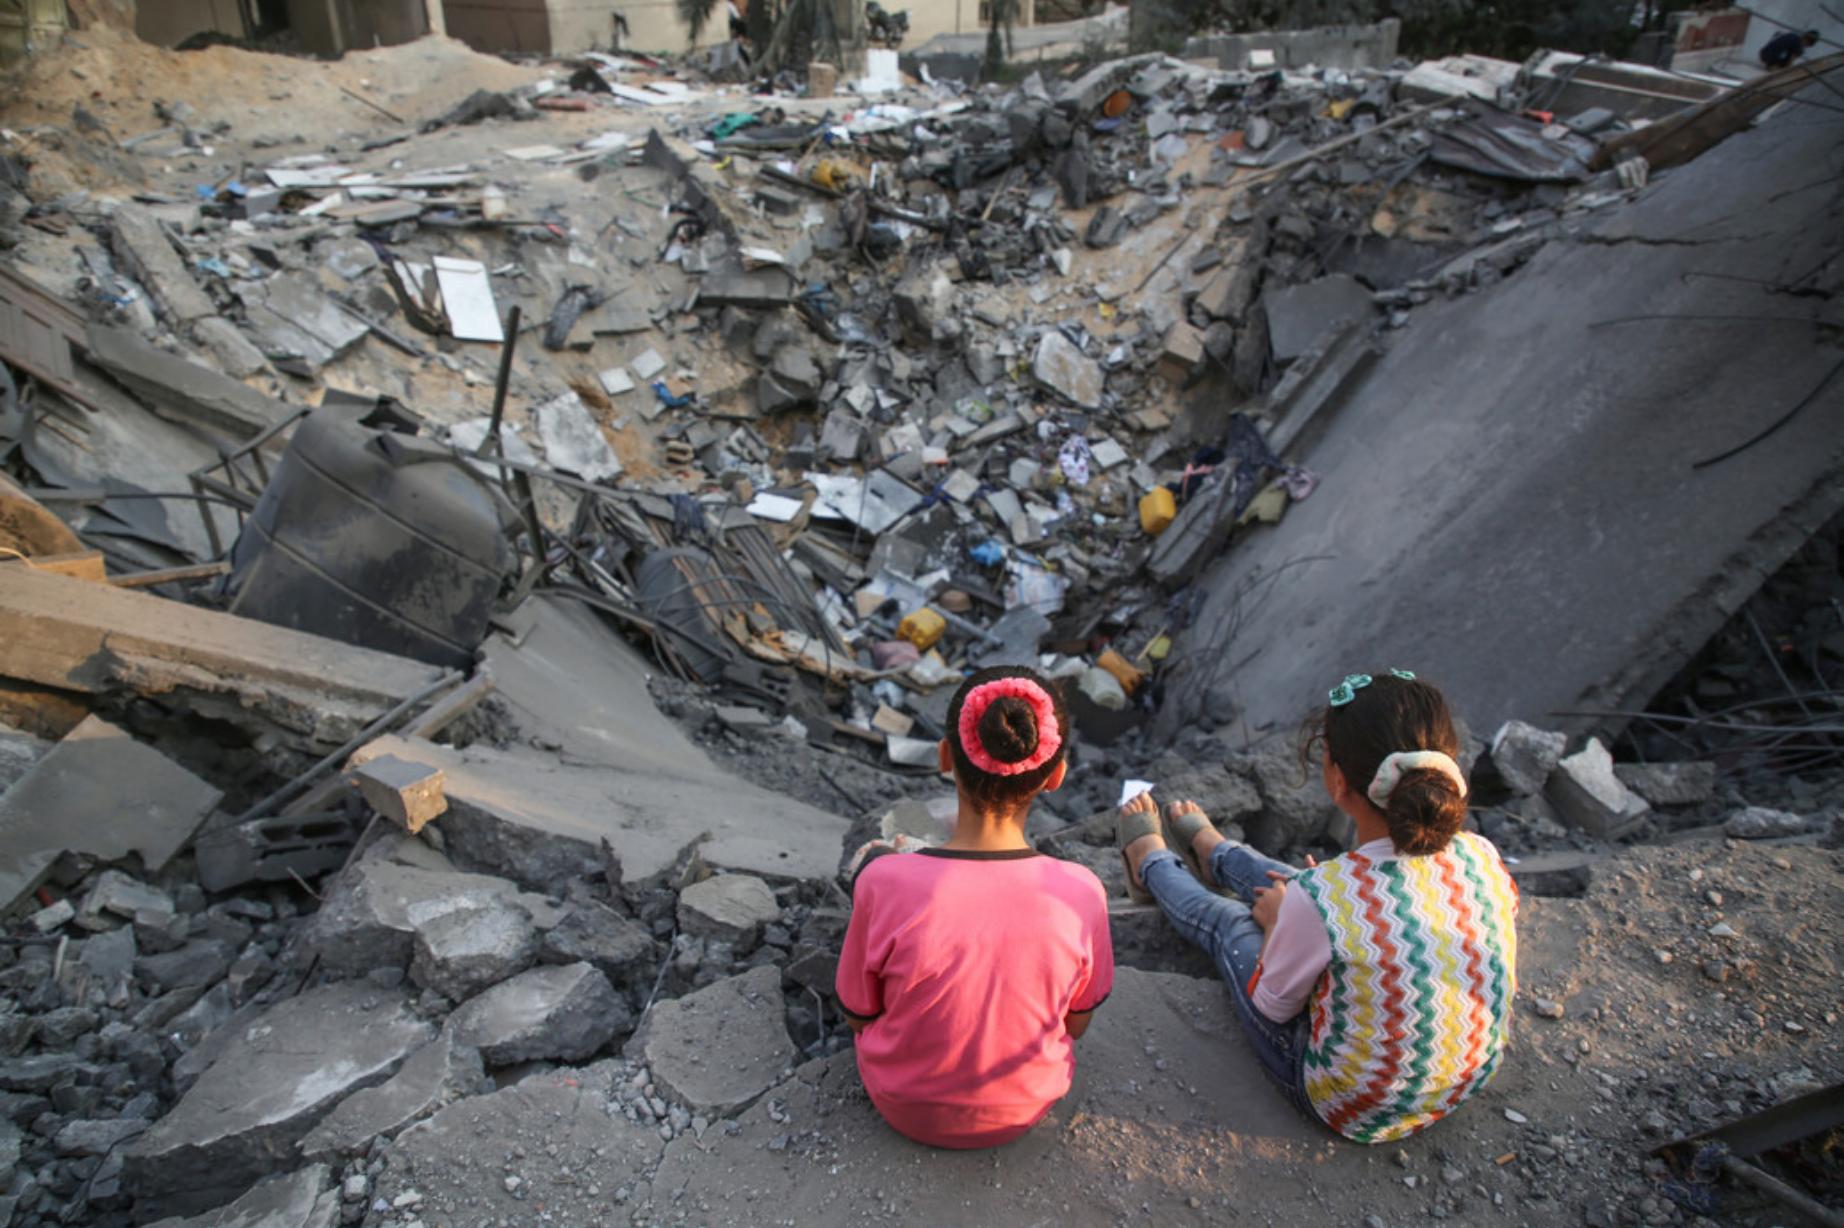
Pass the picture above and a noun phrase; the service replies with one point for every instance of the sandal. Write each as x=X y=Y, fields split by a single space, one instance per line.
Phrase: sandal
x=1181 y=829
x=1128 y=827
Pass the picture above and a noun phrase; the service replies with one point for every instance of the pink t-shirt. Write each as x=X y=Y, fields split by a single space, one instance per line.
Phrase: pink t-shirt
x=965 y=963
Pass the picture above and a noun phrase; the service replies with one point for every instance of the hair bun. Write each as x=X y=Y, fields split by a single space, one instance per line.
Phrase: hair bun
x=1008 y=729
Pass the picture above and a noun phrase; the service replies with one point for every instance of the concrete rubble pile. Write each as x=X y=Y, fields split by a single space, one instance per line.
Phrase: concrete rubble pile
x=357 y=827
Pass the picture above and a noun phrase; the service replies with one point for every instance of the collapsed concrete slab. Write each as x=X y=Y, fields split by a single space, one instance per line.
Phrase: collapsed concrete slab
x=730 y=908
x=72 y=800
x=86 y=637
x=1545 y=529
x=718 y=1049
x=271 y=1082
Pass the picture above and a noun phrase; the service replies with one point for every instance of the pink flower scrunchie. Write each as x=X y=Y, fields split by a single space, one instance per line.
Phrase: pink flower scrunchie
x=980 y=698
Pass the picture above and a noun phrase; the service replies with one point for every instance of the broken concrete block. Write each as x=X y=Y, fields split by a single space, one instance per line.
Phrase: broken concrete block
x=596 y=934
x=195 y=965
x=616 y=381
x=465 y=943
x=143 y=250
x=1525 y=756
x=364 y=922
x=573 y=440
x=1297 y=315
x=1588 y=795
x=271 y=1081
x=647 y=364
x=960 y=485
x=556 y=1012
x=730 y=908
x=408 y=794
x=303 y=1199
x=1060 y=365
x=115 y=897
x=273 y=850
x=442 y=1071
x=292 y=318
x=1670 y=784
x=842 y=436
x=1183 y=351
x=72 y=800
x=1231 y=287
x=1023 y=472
x=717 y=1050
x=1761 y=823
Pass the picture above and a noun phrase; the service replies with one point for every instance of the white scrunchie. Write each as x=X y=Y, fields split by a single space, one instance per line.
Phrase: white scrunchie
x=1390 y=771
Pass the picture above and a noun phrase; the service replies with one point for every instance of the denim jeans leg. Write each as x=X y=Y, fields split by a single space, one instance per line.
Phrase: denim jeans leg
x=1227 y=932
x=1241 y=869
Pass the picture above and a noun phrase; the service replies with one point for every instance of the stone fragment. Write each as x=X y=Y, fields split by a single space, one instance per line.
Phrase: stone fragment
x=195 y=965
x=1060 y=365
x=465 y=943
x=1761 y=823
x=364 y=922
x=295 y=1200
x=408 y=794
x=1670 y=784
x=41 y=1072
x=1525 y=756
x=92 y=1137
x=730 y=908
x=1588 y=795
x=1183 y=351
x=271 y=1081
x=593 y=933
x=717 y=1050
x=573 y=439
x=555 y=1012
x=440 y=1072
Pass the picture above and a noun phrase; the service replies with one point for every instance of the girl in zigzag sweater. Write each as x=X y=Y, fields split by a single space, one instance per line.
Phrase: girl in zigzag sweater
x=1376 y=988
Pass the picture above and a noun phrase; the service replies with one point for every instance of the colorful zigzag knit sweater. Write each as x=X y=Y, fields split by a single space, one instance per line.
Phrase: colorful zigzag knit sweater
x=1412 y=1014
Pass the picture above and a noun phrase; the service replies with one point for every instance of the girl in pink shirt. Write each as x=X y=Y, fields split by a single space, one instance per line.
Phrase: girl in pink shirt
x=970 y=969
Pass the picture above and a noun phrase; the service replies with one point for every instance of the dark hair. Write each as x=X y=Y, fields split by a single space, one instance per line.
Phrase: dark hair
x=1394 y=714
x=1008 y=732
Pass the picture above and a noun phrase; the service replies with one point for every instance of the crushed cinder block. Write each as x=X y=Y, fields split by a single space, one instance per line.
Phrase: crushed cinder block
x=730 y=908
x=273 y=850
x=719 y=1049
x=1670 y=784
x=1525 y=755
x=408 y=794
x=1060 y=365
x=115 y=897
x=555 y=1012
x=1588 y=795
x=744 y=720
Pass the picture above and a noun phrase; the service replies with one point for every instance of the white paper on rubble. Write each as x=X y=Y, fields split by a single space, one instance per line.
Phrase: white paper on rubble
x=467 y=296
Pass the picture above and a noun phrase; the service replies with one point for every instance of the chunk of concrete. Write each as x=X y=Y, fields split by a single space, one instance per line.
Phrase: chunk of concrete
x=198 y=964
x=1761 y=823
x=144 y=251
x=292 y=317
x=304 y=1199
x=717 y=1050
x=1060 y=365
x=730 y=908
x=183 y=388
x=465 y=943
x=116 y=897
x=72 y=800
x=1588 y=795
x=555 y=1012
x=281 y=1071
x=364 y=922
x=596 y=934
x=1297 y=315
x=573 y=439
x=409 y=794
x=1525 y=756
x=1670 y=784
x=436 y=1075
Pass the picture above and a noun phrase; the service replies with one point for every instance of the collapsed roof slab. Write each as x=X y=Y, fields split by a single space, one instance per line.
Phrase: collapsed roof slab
x=612 y=769
x=77 y=635
x=1514 y=501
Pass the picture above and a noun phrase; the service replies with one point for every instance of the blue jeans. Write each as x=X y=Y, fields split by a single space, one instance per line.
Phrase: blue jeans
x=1227 y=932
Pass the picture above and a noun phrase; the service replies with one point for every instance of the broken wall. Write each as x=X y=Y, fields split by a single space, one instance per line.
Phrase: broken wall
x=563 y=27
x=1354 y=46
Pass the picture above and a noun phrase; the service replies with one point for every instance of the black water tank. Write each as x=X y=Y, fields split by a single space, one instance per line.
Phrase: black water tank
x=376 y=538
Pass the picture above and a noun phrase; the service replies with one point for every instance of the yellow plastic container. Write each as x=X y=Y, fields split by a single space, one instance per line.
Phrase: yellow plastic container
x=923 y=628
x=1157 y=508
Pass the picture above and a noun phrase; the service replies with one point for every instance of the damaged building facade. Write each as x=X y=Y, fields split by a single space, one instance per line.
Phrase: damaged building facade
x=475 y=572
